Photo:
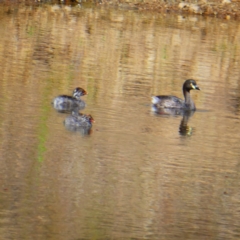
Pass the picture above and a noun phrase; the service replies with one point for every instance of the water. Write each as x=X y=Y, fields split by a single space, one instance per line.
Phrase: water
x=138 y=175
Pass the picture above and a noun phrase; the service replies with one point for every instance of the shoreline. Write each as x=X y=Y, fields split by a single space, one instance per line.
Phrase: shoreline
x=225 y=9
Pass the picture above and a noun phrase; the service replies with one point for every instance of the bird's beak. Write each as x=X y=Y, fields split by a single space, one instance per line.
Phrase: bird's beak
x=195 y=87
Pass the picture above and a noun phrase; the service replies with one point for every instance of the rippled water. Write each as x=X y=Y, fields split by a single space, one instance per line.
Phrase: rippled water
x=138 y=175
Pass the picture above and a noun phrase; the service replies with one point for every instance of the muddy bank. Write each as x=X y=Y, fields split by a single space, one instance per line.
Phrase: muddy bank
x=226 y=9
x=223 y=9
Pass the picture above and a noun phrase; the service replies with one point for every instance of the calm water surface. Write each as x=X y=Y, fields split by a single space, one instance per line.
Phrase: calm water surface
x=138 y=175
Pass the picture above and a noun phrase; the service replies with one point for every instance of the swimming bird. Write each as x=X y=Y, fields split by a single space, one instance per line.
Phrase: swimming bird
x=64 y=103
x=169 y=101
x=79 y=120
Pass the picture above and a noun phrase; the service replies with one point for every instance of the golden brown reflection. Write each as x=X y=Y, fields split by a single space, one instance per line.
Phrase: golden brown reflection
x=184 y=128
x=134 y=176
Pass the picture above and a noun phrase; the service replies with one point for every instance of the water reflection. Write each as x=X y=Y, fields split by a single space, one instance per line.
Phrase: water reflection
x=184 y=128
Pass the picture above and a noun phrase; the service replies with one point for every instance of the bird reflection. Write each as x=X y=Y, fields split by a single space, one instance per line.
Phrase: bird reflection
x=184 y=128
